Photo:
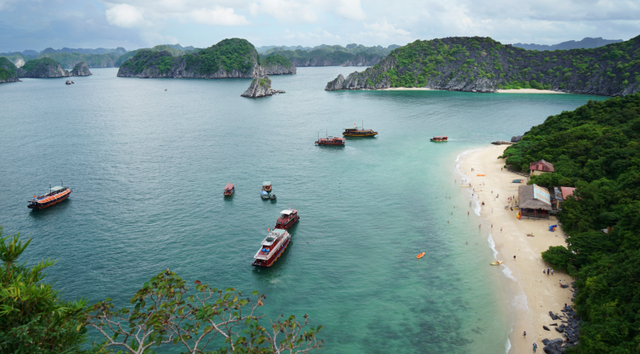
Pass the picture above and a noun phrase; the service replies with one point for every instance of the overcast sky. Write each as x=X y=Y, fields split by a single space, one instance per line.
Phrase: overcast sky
x=132 y=24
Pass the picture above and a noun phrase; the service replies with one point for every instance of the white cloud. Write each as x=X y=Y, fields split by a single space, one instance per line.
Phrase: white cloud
x=384 y=30
x=287 y=11
x=350 y=10
x=224 y=16
x=124 y=15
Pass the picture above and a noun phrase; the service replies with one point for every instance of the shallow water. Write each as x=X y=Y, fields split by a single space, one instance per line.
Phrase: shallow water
x=147 y=168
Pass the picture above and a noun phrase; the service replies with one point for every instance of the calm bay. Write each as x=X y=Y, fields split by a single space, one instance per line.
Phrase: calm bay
x=147 y=161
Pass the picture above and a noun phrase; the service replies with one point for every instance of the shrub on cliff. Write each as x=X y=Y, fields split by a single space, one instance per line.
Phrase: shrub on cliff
x=7 y=69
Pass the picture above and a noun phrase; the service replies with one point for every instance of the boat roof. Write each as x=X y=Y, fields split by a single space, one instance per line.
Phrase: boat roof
x=266 y=183
x=229 y=186
x=264 y=193
x=278 y=231
x=288 y=211
x=439 y=136
x=57 y=188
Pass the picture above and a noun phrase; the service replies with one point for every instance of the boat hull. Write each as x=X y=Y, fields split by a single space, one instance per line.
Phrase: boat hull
x=272 y=260
x=40 y=206
x=288 y=224
x=353 y=135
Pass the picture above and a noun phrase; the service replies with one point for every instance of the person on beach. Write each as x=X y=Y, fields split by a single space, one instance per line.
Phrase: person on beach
x=535 y=346
x=524 y=334
x=560 y=282
x=551 y=271
x=547 y=271
x=514 y=258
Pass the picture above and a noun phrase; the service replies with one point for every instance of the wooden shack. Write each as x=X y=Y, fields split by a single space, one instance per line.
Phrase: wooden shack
x=540 y=167
x=534 y=201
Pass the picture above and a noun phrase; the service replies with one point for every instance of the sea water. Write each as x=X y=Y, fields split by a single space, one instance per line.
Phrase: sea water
x=147 y=160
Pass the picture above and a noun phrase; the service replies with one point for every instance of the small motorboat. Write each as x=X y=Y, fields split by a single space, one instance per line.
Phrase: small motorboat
x=265 y=195
x=287 y=218
x=266 y=186
x=272 y=196
x=229 y=189
x=420 y=255
x=439 y=139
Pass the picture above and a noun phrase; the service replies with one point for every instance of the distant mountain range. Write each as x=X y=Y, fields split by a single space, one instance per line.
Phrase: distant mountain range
x=331 y=55
x=585 y=43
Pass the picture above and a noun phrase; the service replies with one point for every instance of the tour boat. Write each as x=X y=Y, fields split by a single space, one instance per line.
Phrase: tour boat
x=330 y=140
x=55 y=196
x=287 y=218
x=355 y=132
x=266 y=186
x=440 y=138
x=229 y=189
x=272 y=248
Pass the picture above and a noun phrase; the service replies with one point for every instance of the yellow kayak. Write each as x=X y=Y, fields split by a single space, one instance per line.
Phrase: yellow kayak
x=496 y=263
x=420 y=255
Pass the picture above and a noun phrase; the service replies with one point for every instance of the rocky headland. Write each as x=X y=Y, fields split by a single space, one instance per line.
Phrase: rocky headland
x=81 y=69
x=260 y=87
x=7 y=71
x=44 y=68
x=230 y=58
x=477 y=64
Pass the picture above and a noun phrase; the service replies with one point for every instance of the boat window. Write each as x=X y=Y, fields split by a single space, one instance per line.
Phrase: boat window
x=270 y=239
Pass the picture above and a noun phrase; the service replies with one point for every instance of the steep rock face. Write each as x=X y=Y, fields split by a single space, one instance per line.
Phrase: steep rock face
x=7 y=71
x=42 y=69
x=81 y=69
x=352 y=60
x=260 y=87
x=279 y=69
x=484 y=65
x=231 y=58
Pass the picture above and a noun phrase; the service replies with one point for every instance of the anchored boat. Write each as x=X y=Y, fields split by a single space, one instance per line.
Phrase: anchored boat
x=272 y=248
x=55 y=196
x=355 y=132
x=330 y=140
x=229 y=189
x=288 y=218
x=439 y=139
x=266 y=186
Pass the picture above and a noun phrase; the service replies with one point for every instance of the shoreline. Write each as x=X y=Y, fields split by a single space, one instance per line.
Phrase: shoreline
x=535 y=294
x=528 y=91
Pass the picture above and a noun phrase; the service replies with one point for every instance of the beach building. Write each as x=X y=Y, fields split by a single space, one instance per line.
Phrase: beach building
x=561 y=194
x=539 y=167
x=534 y=201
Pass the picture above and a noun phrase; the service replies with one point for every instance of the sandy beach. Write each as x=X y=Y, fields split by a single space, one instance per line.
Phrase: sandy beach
x=527 y=91
x=536 y=293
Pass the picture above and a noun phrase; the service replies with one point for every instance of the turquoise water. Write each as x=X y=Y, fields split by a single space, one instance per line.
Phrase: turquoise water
x=147 y=168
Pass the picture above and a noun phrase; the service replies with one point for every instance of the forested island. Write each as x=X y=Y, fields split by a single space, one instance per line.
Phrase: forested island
x=478 y=64
x=46 y=68
x=333 y=55
x=595 y=149
x=7 y=71
x=230 y=58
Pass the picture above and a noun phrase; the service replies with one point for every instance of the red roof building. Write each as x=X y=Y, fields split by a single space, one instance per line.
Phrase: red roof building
x=541 y=166
x=567 y=191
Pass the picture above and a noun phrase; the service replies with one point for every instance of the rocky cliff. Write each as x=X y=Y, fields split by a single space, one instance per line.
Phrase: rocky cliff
x=7 y=71
x=352 y=60
x=81 y=69
x=277 y=65
x=231 y=58
x=484 y=65
x=260 y=87
x=43 y=69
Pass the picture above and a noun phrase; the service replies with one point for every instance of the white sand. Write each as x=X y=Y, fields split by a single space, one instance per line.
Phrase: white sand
x=526 y=91
x=543 y=292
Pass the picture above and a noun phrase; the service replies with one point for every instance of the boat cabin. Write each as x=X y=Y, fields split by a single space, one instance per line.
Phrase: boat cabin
x=288 y=218
x=229 y=189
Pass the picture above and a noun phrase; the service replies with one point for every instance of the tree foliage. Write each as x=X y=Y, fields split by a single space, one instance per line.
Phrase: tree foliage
x=33 y=316
x=596 y=149
x=165 y=312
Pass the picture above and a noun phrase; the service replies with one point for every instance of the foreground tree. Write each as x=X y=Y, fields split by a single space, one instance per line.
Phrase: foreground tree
x=164 y=312
x=33 y=317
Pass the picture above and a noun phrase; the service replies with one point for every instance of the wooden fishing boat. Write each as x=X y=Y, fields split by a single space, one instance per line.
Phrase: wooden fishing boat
x=288 y=218
x=55 y=196
x=266 y=186
x=355 y=132
x=330 y=140
x=440 y=139
x=229 y=189
x=272 y=248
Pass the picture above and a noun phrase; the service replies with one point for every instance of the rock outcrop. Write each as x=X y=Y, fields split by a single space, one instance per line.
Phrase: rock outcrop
x=81 y=69
x=484 y=65
x=8 y=71
x=44 y=68
x=260 y=87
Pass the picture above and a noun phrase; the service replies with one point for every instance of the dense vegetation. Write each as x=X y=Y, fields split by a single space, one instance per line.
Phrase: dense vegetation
x=482 y=64
x=596 y=148
x=585 y=43
x=33 y=316
x=229 y=55
x=7 y=70
x=275 y=59
x=327 y=55
x=69 y=60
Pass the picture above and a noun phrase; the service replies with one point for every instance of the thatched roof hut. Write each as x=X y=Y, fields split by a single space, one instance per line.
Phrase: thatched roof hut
x=534 y=197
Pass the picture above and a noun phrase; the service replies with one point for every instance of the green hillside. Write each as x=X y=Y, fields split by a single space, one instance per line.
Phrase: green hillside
x=596 y=148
